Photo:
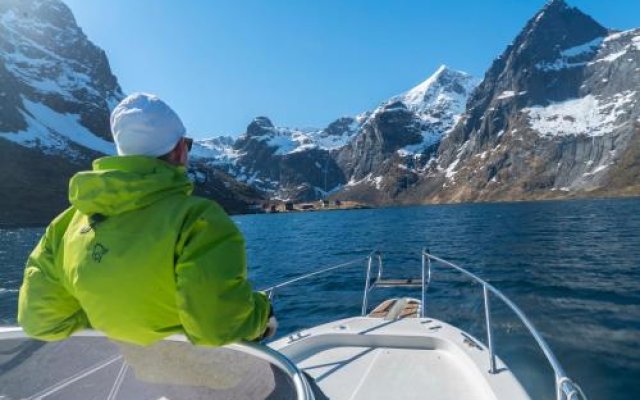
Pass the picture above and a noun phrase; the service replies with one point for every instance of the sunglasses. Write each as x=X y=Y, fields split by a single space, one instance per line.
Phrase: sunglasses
x=189 y=142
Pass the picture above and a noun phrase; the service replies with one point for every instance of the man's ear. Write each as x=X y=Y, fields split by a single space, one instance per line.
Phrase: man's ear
x=183 y=153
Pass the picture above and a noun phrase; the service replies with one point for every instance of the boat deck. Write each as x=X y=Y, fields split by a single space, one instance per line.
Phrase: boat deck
x=417 y=374
x=90 y=366
x=408 y=358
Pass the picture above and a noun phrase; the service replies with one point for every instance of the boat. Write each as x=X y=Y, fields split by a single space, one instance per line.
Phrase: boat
x=392 y=351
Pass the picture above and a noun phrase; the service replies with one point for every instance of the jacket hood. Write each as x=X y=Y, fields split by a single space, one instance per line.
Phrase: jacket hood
x=125 y=183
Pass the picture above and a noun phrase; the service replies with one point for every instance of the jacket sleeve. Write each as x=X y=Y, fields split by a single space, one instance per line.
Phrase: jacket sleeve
x=215 y=300
x=46 y=310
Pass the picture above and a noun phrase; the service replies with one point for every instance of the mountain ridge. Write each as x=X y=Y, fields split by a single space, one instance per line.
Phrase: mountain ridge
x=548 y=117
x=56 y=94
x=301 y=165
x=556 y=115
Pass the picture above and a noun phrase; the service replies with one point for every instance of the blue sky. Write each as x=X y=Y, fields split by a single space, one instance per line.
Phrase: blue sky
x=303 y=63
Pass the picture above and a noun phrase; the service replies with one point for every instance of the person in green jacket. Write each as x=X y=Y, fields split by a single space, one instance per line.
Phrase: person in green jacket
x=136 y=256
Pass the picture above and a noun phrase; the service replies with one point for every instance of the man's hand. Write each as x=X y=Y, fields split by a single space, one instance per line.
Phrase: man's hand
x=272 y=326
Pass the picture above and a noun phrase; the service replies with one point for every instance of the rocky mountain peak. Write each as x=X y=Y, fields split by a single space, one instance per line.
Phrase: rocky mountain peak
x=532 y=69
x=258 y=126
x=53 y=11
x=442 y=76
x=445 y=89
x=555 y=113
x=558 y=4
x=556 y=27
x=341 y=126
x=52 y=79
x=56 y=94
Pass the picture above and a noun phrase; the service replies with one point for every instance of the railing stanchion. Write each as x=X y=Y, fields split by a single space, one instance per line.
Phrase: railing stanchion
x=271 y=295
x=424 y=289
x=487 y=314
x=558 y=389
x=428 y=269
x=366 y=286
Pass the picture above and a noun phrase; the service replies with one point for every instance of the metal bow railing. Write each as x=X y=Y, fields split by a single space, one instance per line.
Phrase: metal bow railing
x=271 y=291
x=565 y=388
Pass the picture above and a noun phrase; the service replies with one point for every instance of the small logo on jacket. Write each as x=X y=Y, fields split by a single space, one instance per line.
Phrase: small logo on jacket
x=98 y=252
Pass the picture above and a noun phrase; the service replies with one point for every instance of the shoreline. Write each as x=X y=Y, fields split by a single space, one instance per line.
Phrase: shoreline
x=363 y=206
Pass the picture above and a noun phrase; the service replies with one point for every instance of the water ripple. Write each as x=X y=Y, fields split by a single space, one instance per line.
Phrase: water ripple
x=573 y=267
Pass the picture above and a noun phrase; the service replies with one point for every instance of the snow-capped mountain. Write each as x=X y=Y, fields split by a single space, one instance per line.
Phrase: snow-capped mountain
x=56 y=94
x=57 y=87
x=218 y=149
x=306 y=164
x=56 y=91
x=286 y=162
x=281 y=140
x=439 y=102
x=398 y=138
x=556 y=115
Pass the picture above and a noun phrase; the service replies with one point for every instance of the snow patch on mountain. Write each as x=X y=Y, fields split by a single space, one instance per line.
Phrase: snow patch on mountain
x=438 y=102
x=369 y=179
x=630 y=41
x=286 y=141
x=586 y=48
x=589 y=115
x=59 y=86
x=32 y=58
x=53 y=131
x=218 y=150
x=429 y=138
x=611 y=57
x=573 y=57
x=507 y=94
x=445 y=89
x=289 y=140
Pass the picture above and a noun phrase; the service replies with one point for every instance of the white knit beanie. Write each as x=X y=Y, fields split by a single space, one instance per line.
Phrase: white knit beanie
x=144 y=125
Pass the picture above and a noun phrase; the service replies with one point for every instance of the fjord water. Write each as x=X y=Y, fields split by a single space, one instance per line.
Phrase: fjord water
x=572 y=266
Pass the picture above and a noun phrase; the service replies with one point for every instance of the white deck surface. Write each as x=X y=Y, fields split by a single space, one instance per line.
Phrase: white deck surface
x=383 y=373
x=352 y=359
x=371 y=358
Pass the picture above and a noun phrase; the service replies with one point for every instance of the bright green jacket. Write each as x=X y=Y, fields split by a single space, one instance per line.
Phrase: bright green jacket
x=138 y=258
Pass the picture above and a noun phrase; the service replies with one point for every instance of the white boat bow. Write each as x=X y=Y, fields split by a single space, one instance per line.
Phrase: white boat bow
x=395 y=351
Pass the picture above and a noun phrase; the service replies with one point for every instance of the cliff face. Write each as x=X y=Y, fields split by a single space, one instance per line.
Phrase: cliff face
x=555 y=116
x=353 y=157
x=397 y=140
x=284 y=162
x=56 y=90
x=57 y=87
x=56 y=94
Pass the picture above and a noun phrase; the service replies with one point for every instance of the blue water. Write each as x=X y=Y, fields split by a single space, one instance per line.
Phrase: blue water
x=573 y=267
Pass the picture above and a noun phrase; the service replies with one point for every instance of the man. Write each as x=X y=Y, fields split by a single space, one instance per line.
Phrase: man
x=136 y=256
